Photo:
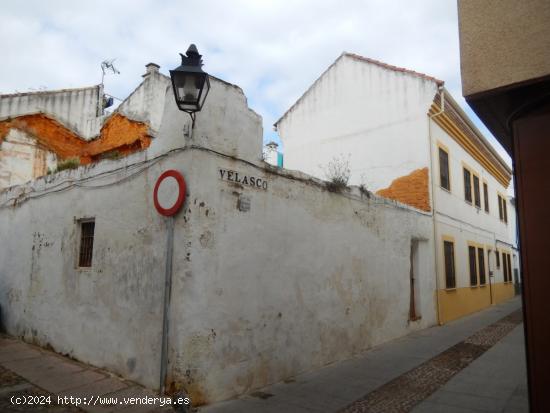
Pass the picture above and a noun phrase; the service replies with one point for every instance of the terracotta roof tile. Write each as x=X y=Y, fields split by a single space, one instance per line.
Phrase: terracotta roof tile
x=394 y=68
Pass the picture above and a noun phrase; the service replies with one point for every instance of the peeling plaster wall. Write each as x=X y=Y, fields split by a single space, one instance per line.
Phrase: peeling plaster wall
x=137 y=123
x=412 y=189
x=108 y=315
x=302 y=278
x=117 y=133
x=270 y=280
x=23 y=159
x=76 y=108
x=373 y=115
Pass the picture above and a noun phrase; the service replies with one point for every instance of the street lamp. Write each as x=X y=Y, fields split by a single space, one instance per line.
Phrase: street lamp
x=191 y=84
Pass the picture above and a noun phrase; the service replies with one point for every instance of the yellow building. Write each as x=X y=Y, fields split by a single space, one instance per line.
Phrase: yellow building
x=471 y=214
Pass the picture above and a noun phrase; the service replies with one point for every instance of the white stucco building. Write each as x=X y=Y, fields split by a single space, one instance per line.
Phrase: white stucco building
x=273 y=274
x=406 y=138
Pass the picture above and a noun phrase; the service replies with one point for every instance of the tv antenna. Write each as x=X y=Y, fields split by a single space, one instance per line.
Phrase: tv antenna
x=108 y=66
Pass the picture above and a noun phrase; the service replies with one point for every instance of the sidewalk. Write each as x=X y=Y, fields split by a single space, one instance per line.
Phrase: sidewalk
x=495 y=382
x=27 y=370
x=473 y=364
x=346 y=385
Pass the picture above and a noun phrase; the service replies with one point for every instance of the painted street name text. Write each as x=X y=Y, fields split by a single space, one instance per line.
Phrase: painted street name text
x=243 y=179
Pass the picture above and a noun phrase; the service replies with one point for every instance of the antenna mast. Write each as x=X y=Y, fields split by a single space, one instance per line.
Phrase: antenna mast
x=106 y=67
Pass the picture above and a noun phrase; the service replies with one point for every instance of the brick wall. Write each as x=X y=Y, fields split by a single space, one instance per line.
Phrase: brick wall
x=411 y=189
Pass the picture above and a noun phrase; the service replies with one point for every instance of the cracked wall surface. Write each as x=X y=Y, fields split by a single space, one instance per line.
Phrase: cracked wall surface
x=118 y=133
x=50 y=138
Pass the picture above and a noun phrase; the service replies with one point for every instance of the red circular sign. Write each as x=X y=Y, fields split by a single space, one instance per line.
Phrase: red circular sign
x=181 y=195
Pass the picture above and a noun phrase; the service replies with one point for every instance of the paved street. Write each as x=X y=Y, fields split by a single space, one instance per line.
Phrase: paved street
x=496 y=381
x=476 y=364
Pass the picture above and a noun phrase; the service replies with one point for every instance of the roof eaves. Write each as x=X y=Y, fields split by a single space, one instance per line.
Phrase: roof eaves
x=395 y=68
x=450 y=100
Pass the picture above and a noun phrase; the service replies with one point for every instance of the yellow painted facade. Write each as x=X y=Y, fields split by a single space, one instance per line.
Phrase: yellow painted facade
x=459 y=302
x=469 y=144
x=502 y=292
x=469 y=280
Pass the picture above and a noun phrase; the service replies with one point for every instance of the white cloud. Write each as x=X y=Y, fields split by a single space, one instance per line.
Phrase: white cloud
x=273 y=49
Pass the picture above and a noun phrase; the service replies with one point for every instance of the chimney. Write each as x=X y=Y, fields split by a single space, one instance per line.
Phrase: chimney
x=271 y=154
x=151 y=68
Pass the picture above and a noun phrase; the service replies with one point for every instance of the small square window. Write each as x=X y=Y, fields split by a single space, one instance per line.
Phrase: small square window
x=86 y=249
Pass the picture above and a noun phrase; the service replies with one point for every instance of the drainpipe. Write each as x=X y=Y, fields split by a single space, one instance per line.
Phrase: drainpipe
x=491 y=273
x=436 y=255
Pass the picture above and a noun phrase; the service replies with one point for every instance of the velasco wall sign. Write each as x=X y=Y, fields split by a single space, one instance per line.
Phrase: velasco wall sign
x=243 y=179
x=162 y=208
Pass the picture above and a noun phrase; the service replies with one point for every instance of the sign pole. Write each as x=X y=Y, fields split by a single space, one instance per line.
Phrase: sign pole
x=167 y=293
x=169 y=212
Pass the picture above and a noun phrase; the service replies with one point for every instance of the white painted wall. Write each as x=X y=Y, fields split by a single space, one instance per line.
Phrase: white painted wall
x=374 y=115
x=236 y=131
x=146 y=103
x=302 y=278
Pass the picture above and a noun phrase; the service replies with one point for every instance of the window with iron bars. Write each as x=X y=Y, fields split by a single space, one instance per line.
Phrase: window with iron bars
x=87 y=228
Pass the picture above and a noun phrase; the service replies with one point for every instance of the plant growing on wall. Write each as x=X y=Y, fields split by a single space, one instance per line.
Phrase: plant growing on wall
x=70 y=163
x=337 y=172
x=363 y=187
x=111 y=155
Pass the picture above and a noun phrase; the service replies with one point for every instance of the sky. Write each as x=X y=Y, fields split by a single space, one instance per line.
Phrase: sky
x=273 y=50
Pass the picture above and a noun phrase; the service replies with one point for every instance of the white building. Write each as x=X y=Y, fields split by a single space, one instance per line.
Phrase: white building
x=406 y=138
x=273 y=274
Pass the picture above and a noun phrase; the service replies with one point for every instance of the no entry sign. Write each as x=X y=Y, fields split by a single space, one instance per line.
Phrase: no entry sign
x=171 y=203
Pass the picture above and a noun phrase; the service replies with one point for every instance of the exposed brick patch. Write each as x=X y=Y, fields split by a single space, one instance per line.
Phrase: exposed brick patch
x=411 y=189
x=118 y=133
x=406 y=391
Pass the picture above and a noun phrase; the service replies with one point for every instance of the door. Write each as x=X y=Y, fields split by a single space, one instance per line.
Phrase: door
x=414 y=313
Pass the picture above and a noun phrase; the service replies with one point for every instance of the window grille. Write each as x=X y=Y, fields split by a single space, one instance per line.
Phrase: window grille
x=86 y=243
